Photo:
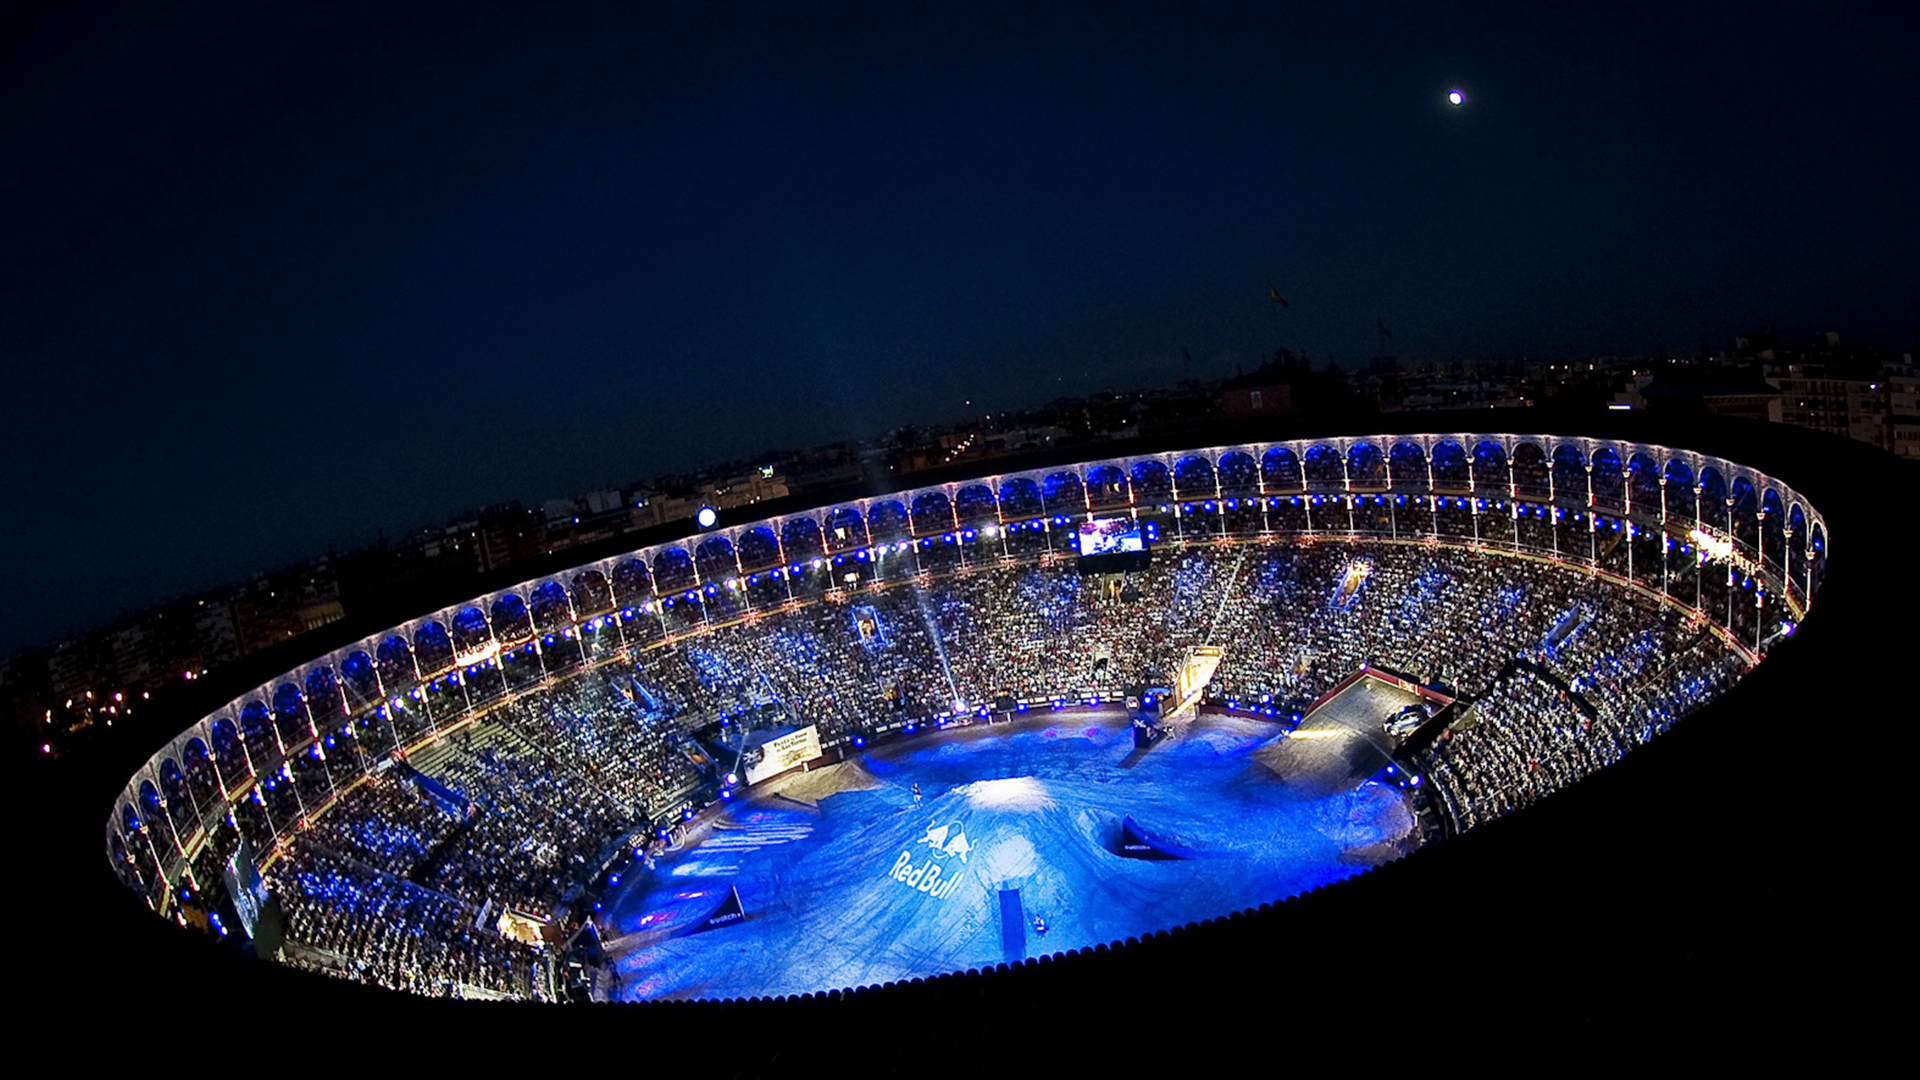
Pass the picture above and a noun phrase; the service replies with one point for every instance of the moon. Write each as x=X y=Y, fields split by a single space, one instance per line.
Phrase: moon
x=1456 y=97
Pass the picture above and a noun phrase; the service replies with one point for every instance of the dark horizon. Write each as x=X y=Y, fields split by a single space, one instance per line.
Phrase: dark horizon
x=283 y=280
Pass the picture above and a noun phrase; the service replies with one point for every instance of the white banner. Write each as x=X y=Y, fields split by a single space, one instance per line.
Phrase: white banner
x=785 y=752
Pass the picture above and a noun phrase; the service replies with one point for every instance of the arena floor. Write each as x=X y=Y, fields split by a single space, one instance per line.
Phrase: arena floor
x=846 y=881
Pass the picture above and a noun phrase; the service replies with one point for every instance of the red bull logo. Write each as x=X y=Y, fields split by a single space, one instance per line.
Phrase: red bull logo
x=948 y=841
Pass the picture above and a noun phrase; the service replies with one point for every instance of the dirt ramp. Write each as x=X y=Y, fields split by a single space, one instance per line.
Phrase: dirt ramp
x=815 y=784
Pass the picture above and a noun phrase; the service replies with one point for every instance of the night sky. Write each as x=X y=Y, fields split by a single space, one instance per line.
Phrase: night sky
x=276 y=281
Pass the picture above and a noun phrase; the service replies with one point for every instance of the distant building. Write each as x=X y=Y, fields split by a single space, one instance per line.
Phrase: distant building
x=275 y=608
x=215 y=633
x=509 y=534
x=1877 y=405
x=1265 y=400
x=1714 y=390
x=1839 y=388
x=76 y=667
x=727 y=494
x=1903 y=433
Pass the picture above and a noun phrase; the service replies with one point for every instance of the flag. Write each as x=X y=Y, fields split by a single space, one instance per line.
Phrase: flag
x=1382 y=323
x=1273 y=294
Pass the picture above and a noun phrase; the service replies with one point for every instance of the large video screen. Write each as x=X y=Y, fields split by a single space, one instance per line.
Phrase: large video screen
x=1111 y=536
x=244 y=885
x=1112 y=546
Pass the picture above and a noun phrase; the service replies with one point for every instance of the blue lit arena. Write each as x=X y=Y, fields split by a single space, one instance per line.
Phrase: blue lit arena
x=914 y=734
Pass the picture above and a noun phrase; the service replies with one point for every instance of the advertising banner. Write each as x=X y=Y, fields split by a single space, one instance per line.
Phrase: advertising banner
x=785 y=752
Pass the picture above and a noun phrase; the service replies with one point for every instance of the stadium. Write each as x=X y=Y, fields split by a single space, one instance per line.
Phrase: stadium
x=1433 y=693
x=938 y=716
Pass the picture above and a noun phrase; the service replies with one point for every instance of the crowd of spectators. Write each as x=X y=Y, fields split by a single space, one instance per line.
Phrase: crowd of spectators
x=598 y=728
x=1562 y=673
x=392 y=826
x=1624 y=676
x=352 y=920
x=535 y=826
x=517 y=810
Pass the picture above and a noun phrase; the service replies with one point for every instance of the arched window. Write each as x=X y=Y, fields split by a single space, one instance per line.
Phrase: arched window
x=1745 y=517
x=289 y=714
x=550 y=609
x=1643 y=483
x=1409 y=465
x=1679 y=491
x=802 y=540
x=632 y=583
x=673 y=571
x=932 y=513
x=714 y=558
x=1450 y=469
x=887 y=522
x=201 y=781
x=591 y=594
x=470 y=632
x=1193 y=478
x=1713 y=498
x=1569 y=474
x=1609 y=478
x=1324 y=470
x=228 y=755
x=1152 y=484
x=1107 y=487
x=846 y=529
x=323 y=694
x=759 y=548
x=1366 y=466
x=1064 y=494
x=362 y=684
x=1280 y=470
x=1530 y=471
x=511 y=623
x=1773 y=530
x=1020 y=498
x=1490 y=476
x=173 y=784
x=1239 y=474
x=974 y=503
x=432 y=650
x=256 y=734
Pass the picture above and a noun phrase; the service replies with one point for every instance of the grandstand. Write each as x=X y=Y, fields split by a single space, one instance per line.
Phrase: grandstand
x=504 y=761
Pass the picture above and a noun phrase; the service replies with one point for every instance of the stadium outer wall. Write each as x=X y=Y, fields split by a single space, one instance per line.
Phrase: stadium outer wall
x=1842 y=493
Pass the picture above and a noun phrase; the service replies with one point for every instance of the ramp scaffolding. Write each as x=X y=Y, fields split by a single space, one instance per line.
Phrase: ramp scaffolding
x=1191 y=681
x=1196 y=671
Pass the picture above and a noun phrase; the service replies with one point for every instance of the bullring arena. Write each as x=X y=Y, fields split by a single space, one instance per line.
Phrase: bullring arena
x=915 y=734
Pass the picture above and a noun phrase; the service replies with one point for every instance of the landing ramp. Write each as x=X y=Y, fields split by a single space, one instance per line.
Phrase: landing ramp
x=1340 y=743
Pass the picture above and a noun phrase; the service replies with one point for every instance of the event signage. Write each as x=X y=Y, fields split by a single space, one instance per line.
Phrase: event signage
x=948 y=841
x=786 y=752
x=730 y=911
